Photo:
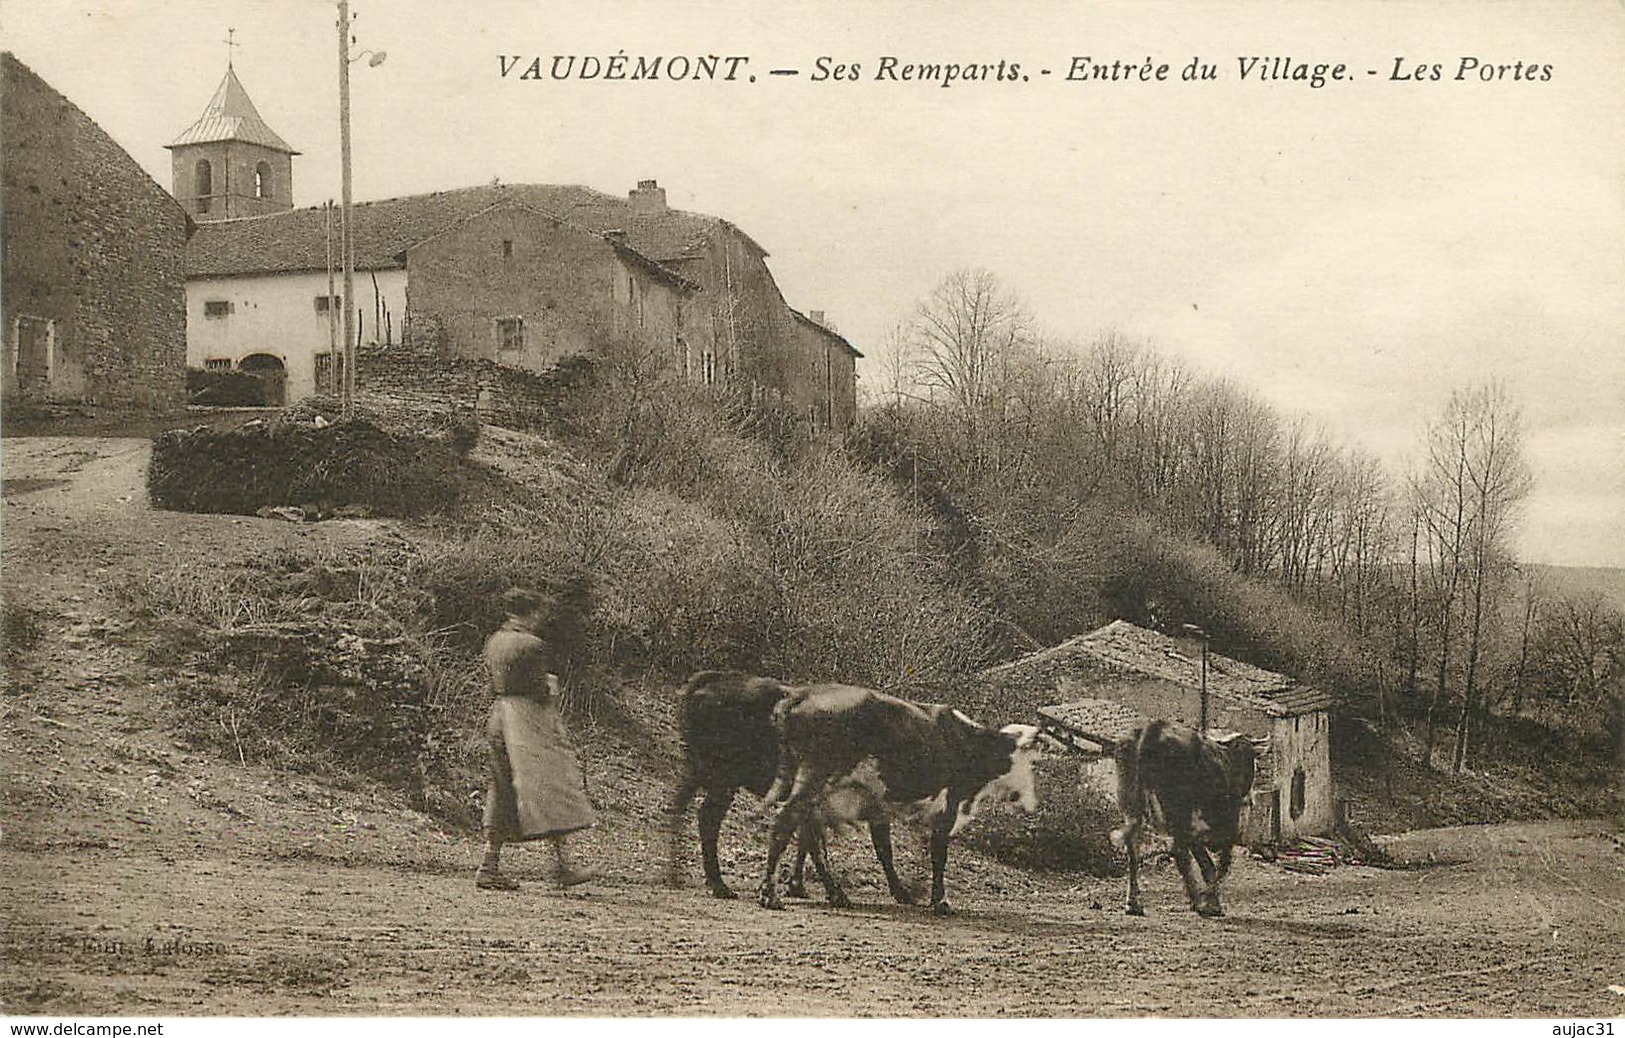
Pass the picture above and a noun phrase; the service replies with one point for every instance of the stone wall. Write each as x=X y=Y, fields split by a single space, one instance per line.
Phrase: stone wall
x=419 y=375
x=94 y=246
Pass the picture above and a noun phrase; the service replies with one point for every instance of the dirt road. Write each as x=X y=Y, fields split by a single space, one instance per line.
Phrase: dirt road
x=137 y=877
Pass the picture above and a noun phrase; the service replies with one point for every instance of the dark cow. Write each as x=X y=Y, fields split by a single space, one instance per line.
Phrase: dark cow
x=730 y=743
x=852 y=754
x=1192 y=787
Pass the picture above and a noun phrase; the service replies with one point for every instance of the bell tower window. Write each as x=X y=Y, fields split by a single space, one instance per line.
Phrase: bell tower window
x=262 y=180
x=204 y=181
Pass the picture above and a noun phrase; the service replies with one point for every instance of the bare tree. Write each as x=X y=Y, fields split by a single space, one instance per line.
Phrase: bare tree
x=966 y=335
x=1533 y=596
x=1500 y=480
x=1580 y=649
x=1467 y=490
x=1440 y=497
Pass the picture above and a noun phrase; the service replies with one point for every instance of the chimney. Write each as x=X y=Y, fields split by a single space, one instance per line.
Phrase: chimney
x=817 y=317
x=648 y=198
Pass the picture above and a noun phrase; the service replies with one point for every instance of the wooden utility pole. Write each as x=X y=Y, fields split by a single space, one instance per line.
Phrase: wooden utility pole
x=346 y=235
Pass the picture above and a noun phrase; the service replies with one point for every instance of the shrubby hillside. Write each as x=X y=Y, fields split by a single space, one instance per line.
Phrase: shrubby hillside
x=686 y=530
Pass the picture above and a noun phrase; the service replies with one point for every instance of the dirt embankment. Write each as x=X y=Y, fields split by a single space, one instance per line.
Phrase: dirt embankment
x=141 y=876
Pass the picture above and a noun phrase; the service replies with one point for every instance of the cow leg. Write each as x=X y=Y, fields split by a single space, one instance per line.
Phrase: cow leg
x=880 y=836
x=712 y=809
x=777 y=840
x=1128 y=837
x=940 y=828
x=814 y=843
x=1182 y=858
x=792 y=818
x=797 y=887
x=1210 y=882
x=1210 y=903
x=676 y=812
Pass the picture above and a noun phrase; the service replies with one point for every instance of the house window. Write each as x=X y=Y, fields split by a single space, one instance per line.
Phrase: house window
x=507 y=248
x=217 y=307
x=635 y=297
x=325 y=373
x=1300 y=784
x=510 y=334
x=325 y=303
x=262 y=180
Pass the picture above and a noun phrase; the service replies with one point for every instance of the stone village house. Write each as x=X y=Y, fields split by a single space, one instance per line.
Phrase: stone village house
x=1118 y=677
x=521 y=275
x=92 y=298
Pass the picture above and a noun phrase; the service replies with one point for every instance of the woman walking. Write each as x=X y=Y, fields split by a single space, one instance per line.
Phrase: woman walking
x=537 y=791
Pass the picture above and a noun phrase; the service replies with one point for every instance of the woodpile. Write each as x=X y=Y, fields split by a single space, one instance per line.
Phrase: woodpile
x=1315 y=855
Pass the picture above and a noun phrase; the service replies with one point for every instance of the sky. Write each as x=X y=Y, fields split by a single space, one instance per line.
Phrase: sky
x=1352 y=252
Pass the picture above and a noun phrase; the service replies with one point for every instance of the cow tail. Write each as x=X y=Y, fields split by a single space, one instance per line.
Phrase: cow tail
x=687 y=698
x=1130 y=789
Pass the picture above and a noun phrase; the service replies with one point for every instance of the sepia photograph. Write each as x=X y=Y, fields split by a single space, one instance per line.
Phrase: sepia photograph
x=1043 y=509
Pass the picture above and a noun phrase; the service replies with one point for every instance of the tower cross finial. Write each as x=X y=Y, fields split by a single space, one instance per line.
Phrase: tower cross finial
x=231 y=43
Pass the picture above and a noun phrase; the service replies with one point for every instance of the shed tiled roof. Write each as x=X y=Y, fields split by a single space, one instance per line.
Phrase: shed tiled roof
x=296 y=240
x=1096 y=719
x=231 y=116
x=1106 y=721
x=1123 y=645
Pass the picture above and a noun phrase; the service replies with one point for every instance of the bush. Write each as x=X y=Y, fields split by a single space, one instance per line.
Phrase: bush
x=1071 y=830
x=353 y=464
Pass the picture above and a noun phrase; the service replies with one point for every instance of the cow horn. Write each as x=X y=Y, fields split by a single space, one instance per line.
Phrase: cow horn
x=1025 y=734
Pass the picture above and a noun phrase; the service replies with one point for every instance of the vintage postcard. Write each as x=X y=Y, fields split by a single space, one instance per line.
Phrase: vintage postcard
x=1044 y=508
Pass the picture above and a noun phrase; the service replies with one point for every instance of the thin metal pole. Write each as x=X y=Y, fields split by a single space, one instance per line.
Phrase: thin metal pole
x=348 y=235
x=1203 y=726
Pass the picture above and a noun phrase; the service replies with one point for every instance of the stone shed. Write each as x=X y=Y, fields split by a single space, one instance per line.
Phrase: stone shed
x=1106 y=682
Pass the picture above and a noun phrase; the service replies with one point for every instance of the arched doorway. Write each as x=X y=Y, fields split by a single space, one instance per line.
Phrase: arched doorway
x=271 y=372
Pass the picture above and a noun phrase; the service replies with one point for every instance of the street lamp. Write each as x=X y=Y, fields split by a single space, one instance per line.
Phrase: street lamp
x=347 y=236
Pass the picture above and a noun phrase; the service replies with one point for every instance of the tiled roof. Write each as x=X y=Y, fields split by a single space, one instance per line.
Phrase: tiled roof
x=832 y=333
x=1098 y=720
x=231 y=116
x=1127 y=647
x=296 y=239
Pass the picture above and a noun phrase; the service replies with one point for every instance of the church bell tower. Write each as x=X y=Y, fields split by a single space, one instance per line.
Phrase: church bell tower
x=230 y=163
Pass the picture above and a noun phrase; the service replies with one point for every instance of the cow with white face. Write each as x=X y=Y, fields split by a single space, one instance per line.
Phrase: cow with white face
x=849 y=754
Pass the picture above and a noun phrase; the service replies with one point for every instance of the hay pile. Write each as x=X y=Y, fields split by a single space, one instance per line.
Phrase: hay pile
x=349 y=468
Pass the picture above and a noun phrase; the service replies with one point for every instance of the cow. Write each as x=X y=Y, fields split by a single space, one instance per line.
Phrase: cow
x=1191 y=786
x=853 y=754
x=725 y=720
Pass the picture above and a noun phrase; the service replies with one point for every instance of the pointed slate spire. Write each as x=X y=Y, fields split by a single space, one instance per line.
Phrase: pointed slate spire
x=231 y=116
